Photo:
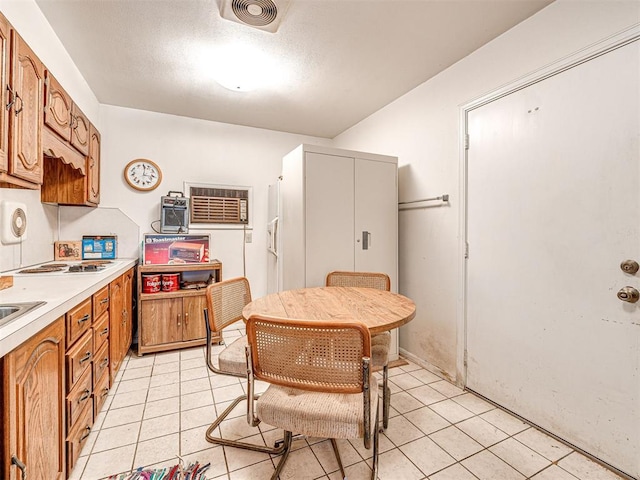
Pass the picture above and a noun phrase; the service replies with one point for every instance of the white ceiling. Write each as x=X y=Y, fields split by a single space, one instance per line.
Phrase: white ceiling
x=340 y=60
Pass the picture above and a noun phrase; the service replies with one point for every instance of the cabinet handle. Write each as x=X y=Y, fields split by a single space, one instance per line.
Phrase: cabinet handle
x=20 y=465
x=86 y=357
x=19 y=110
x=83 y=319
x=179 y=319
x=104 y=300
x=105 y=392
x=104 y=332
x=85 y=395
x=11 y=99
x=105 y=362
x=186 y=319
x=71 y=122
x=88 y=430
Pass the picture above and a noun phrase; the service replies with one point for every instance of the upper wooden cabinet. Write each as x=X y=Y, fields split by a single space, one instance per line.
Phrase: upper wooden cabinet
x=71 y=147
x=93 y=166
x=23 y=82
x=5 y=43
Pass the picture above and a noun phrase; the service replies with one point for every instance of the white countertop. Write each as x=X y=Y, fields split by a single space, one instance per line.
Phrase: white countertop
x=60 y=292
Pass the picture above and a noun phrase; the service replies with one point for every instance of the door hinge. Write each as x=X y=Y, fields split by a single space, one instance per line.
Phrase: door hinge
x=466 y=141
x=466 y=250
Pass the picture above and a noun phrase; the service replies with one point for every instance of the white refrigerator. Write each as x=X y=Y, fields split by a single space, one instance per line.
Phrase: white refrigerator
x=337 y=210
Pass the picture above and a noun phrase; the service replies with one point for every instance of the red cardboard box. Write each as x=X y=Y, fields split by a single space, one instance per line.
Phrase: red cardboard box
x=173 y=249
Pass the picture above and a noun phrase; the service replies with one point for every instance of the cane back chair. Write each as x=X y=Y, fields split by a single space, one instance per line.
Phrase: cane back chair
x=225 y=301
x=320 y=383
x=380 y=342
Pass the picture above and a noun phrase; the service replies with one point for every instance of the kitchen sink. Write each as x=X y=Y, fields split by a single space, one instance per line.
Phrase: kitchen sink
x=11 y=311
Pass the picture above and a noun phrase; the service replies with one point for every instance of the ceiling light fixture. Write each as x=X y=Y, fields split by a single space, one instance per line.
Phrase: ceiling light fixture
x=242 y=68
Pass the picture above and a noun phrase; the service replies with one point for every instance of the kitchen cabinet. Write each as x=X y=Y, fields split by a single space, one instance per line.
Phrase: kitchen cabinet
x=5 y=44
x=120 y=319
x=23 y=166
x=339 y=211
x=34 y=406
x=71 y=146
x=169 y=320
x=93 y=167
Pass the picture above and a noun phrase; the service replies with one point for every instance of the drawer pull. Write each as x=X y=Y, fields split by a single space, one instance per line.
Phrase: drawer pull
x=105 y=392
x=20 y=465
x=105 y=362
x=104 y=332
x=84 y=319
x=104 y=300
x=87 y=356
x=88 y=430
x=85 y=395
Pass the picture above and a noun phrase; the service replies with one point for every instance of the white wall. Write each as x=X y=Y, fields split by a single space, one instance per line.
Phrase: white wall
x=194 y=150
x=422 y=129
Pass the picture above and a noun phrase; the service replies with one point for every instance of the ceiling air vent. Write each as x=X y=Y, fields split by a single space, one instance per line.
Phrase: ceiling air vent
x=261 y=14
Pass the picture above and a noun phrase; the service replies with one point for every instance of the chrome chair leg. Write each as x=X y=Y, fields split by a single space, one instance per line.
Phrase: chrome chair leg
x=285 y=454
x=386 y=397
x=334 y=444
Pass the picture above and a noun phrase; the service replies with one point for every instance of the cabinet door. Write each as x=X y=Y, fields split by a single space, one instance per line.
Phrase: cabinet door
x=161 y=321
x=193 y=325
x=329 y=216
x=34 y=406
x=4 y=83
x=57 y=107
x=116 y=292
x=93 y=167
x=127 y=307
x=79 y=130
x=376 y=212
x=26 y=115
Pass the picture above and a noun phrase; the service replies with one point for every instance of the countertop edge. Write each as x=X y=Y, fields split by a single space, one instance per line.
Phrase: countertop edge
x=33 y=322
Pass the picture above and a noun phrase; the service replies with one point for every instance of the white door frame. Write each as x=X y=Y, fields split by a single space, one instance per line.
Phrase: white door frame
x=581 y=56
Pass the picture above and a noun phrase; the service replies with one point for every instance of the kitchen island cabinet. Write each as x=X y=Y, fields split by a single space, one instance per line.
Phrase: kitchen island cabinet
x=34 y=407
x=170 y=320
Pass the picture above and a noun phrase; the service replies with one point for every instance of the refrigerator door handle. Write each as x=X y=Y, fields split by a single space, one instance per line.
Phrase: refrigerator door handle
x=273 y=236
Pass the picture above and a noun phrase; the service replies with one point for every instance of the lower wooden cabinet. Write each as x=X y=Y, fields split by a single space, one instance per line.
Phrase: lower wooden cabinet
x=174 y=319
x=34 y=406
x=120 y=319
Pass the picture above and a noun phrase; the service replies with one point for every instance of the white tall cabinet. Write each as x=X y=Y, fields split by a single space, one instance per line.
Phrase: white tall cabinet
x=338 y=211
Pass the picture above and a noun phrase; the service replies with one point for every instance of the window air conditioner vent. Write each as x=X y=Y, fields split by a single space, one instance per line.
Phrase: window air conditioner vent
x=219 y=205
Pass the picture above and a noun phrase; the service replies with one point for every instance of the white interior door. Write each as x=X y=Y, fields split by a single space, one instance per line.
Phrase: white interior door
x=553 y=209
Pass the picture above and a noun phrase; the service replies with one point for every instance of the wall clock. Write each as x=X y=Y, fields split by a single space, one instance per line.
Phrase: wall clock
x=143 y=174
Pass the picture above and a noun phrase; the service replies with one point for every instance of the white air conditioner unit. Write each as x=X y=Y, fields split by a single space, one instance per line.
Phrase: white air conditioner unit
x=261 y=14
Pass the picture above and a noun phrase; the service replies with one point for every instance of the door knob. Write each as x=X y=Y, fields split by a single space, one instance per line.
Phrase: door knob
x=630 y=266
x=629 y=294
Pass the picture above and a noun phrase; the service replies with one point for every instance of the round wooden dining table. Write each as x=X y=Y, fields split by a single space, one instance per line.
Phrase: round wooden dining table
x=379 y=310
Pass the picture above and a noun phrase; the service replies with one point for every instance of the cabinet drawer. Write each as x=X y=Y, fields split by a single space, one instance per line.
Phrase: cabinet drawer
x=101 y=362
x=78 y=321
x=100 y=331
x=100 y=392
x=100 y=302
x=78 y=436
x=79 y=358
x=79 y=398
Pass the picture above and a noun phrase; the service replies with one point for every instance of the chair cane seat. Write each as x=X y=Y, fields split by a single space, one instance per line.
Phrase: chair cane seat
x=316 y=414
x=233 y=359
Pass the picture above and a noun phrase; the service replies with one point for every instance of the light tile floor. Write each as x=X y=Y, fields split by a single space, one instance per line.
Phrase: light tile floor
x=161 y=404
